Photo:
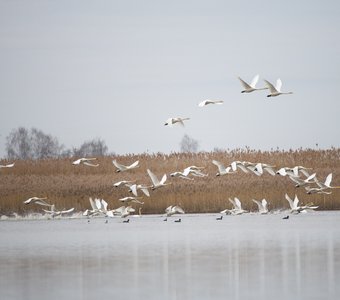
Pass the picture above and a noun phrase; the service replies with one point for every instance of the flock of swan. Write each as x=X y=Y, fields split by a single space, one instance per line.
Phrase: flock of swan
x=298 y=174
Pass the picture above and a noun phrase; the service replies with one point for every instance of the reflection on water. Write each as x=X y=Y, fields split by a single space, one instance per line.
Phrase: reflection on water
x=240 y=257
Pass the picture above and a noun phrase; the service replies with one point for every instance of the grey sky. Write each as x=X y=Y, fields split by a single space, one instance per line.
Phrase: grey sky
x=118 y=69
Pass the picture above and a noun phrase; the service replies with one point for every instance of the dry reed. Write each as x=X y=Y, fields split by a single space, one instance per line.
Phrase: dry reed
x=68 y=186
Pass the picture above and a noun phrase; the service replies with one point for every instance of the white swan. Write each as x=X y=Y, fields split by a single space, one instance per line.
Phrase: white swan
x=276 y=91
x=135 y=187
x=123 y=182
x=248 y=88
x=7 y=165
x=195 y=171
x=123 y=211
x=174 y=209
x=122 y=168
x=85 y=161
x=327 y=183
x=54 y=213
x=172 y=121
x=239 y=164
x=301 y=182
x=262 y=206
x=207 y=101
x=37 y=200
x=222 y=170
x=237 y=209
x=181 y=175
x=155 y=182
x=260 y=167
x=131 y=199
x=298 y=209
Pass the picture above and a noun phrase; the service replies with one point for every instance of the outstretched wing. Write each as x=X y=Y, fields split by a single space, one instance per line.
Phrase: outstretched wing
x=219 y=165
x=245 y=85
x=153 y=178
x=278 y=85
x=134 y=165
x=254 y=81
x=272 y=89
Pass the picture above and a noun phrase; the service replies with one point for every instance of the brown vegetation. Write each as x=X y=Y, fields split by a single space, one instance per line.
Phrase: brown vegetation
x=68 y=186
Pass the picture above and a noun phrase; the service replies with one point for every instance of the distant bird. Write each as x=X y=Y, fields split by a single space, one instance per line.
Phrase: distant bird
x=237 y=210
x=239 y=164
x=327 y=183
x=37 y=200
x=276 y=91
x=195 y=171
x=260 y=167
x=300 y=182
x=126 y=221
x=178 y=221
x=314 y=190
x=166 y=219
x=135 y=187
x=181 y=175
x=172 y=121
x=7 y=166
x=262 y=206
x=123 y=182
x=298 y=209
x=219 y=218
x=155 y=182
x=54 y=213
x=222 y=170
x=122 y=168
x=173 y=209
x=85 y=161
x=123 y=211
x=286 y=218
x=248 y=88
x=207 y=101
x=130 y=199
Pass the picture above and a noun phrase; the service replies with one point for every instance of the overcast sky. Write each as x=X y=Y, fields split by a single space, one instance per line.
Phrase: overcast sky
x=117 y=70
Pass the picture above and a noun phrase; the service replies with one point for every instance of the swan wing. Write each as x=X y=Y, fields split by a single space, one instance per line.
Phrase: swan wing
x=163 y=179
x=133 y=189
x=238 y=203
x=296 y=201
x=118 y=165
x=290 y=201
x=134 y=165
x=178 y=209
x=259 y=204
x=244 y=84
x=328 y=180
x=153 y=178
x=254 y=81
x=89 y=164
x=219 y=165
x=203 y=103
x=278 y=85
x=104 y=204
x=93 y=205
x=272 y=89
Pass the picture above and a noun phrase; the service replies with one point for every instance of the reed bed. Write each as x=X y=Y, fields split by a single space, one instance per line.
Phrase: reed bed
x=68 y=186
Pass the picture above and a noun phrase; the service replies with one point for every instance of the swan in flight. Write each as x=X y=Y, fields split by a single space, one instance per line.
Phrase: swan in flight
x=122 y=168
x=135 y=187
x=7 y=166
x=123 y=211
x=130 y=199
x=262 y=206
x=327 y=183
x=172 y=121
x=98 y=206
x=54 y=213
x=195 y=171
x=37 y=200
x=85 y=161
x=123 y=182
x=260 y=167
x=237 y=207
x=207 y=101
x=174 y=209
x=276 y=91
x=239 y=164
x=222 y=170
x=314 y=190
x=300 y=182
x=298 y=209
x=155 y=182
x=181 y=175
x=248 y=88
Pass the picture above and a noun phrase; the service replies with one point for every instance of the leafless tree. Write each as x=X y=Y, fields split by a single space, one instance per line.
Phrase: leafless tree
x=189 y=144
x=22 y=143
x=95 y=147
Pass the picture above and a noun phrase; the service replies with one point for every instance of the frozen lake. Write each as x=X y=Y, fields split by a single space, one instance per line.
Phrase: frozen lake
x=239 y=257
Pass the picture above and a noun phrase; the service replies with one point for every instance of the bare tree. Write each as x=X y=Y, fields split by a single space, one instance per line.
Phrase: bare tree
x=34 y=144
x=95 y=147
x=189 y=144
